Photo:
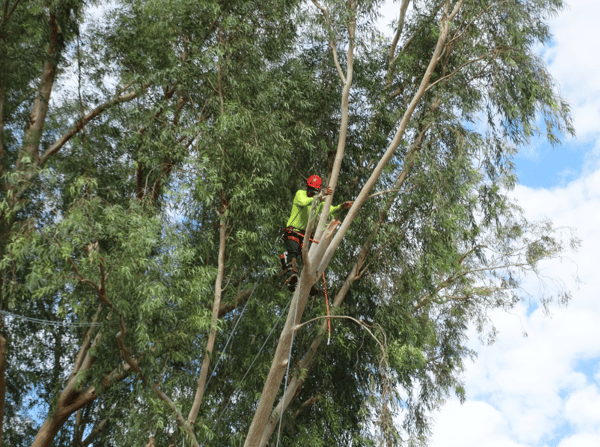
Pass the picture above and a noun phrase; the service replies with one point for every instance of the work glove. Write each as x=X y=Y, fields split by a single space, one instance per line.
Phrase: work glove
x=328 y=191
x=347 y=205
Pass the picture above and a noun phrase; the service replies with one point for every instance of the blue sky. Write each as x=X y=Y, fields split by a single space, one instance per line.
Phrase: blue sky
x=544 y=390
x=543 y=166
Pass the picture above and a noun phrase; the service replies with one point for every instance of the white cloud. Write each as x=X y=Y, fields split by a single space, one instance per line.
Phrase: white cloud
x=470 y=425
x=582 y=409
x=573 y=62
x=525 y=391
x=581 y=440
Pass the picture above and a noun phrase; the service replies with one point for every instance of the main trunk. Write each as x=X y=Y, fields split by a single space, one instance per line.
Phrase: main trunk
x=279 y=364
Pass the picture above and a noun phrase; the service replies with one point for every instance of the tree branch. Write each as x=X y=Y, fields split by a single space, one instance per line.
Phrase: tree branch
x=86 y=119
x=94 y=434
x=325 y=13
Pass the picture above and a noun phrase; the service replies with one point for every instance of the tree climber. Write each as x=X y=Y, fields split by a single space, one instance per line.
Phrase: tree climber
x=296 y=226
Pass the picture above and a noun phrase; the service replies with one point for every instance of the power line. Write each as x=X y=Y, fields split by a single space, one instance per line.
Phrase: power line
x=46 y=322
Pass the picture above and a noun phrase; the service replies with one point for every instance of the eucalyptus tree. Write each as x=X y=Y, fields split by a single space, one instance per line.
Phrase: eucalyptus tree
x=448 y=64
x=152 y=209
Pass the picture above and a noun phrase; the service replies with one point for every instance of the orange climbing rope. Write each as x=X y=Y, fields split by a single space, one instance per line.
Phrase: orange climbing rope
x=327 y=305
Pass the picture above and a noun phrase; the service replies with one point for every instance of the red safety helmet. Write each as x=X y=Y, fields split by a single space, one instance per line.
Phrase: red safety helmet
x=314 y=181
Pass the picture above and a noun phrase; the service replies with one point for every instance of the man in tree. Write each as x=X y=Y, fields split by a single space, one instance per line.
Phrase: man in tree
x=296 y=227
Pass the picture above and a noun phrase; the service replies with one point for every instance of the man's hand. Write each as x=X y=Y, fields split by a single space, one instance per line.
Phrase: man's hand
x=347 y=205
x=328 y=191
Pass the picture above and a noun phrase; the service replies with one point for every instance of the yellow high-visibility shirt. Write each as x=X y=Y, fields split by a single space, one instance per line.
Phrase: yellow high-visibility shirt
x=301 y=209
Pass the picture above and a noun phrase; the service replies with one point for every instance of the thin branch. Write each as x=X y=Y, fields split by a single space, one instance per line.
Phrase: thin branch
x=460 y=67
x=86 y=119
x=392 y=52
x=325 y=13
x=8 y=14
x=403 y=191
x=464 y=30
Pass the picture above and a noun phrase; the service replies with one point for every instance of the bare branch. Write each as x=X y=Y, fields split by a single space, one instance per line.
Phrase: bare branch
x=89 y=117
x=325 y=13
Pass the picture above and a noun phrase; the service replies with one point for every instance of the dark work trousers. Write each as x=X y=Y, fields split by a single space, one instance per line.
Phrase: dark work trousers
x=293 y=241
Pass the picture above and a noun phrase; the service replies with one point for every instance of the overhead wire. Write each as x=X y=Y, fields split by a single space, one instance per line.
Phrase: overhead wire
x=46 y=322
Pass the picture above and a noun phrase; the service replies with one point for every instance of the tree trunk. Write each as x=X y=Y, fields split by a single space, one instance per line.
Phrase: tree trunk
x=68 y=403
x=33 y=131
x=279 y=365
